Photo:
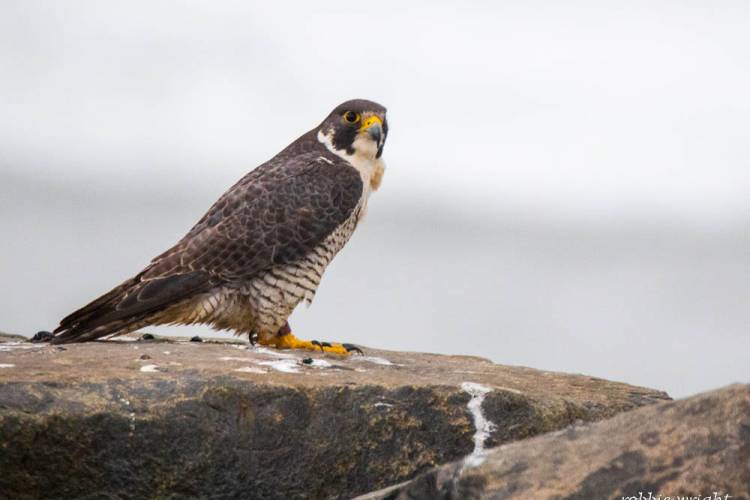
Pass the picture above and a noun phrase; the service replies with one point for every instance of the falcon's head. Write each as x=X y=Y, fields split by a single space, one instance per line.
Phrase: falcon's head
x=355 y=128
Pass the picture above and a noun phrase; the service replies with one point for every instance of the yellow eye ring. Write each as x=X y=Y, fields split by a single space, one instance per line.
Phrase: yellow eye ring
x=351 y=117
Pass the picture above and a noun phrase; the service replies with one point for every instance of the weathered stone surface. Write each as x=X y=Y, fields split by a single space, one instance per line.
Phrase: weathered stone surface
x=696 y=448
x=137 y=419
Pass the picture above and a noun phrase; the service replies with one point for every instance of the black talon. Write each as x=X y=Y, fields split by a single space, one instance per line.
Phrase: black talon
x=253 y=337
x=353 y=348
x=147 y=336
x=196 y=339
x=319 y=344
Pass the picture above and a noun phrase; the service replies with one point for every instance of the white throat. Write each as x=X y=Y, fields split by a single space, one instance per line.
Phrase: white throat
x=363 y=159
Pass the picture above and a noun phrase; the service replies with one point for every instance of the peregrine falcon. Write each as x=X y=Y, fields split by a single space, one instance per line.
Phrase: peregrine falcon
x=262 y=248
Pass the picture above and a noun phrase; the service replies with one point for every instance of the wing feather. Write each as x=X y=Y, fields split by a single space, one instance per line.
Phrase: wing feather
x=274 y=215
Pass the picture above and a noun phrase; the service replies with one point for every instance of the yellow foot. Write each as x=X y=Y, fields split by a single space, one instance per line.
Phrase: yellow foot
x=289 y=341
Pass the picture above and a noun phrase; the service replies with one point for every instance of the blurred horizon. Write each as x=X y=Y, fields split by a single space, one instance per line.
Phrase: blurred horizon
x=567 y=187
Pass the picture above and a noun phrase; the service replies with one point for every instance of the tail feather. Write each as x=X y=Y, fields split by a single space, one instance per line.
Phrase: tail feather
x=94 y=308
x=86 y=333
x=128 y=306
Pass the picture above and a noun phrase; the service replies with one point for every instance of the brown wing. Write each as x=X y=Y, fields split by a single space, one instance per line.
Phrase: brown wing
x=267 y=220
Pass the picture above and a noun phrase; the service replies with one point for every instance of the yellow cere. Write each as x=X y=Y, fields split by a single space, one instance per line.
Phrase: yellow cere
x=370 y=121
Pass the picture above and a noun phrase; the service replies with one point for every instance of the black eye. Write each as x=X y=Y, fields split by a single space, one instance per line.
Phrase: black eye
x=351 y=117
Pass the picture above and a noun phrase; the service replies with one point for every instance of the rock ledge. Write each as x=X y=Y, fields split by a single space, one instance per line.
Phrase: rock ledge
x=184 y=419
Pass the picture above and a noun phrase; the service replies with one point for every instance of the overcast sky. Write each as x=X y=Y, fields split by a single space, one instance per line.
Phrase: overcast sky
x=594 y=109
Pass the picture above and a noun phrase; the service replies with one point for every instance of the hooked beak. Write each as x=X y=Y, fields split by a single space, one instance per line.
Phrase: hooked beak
x=373 y=125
